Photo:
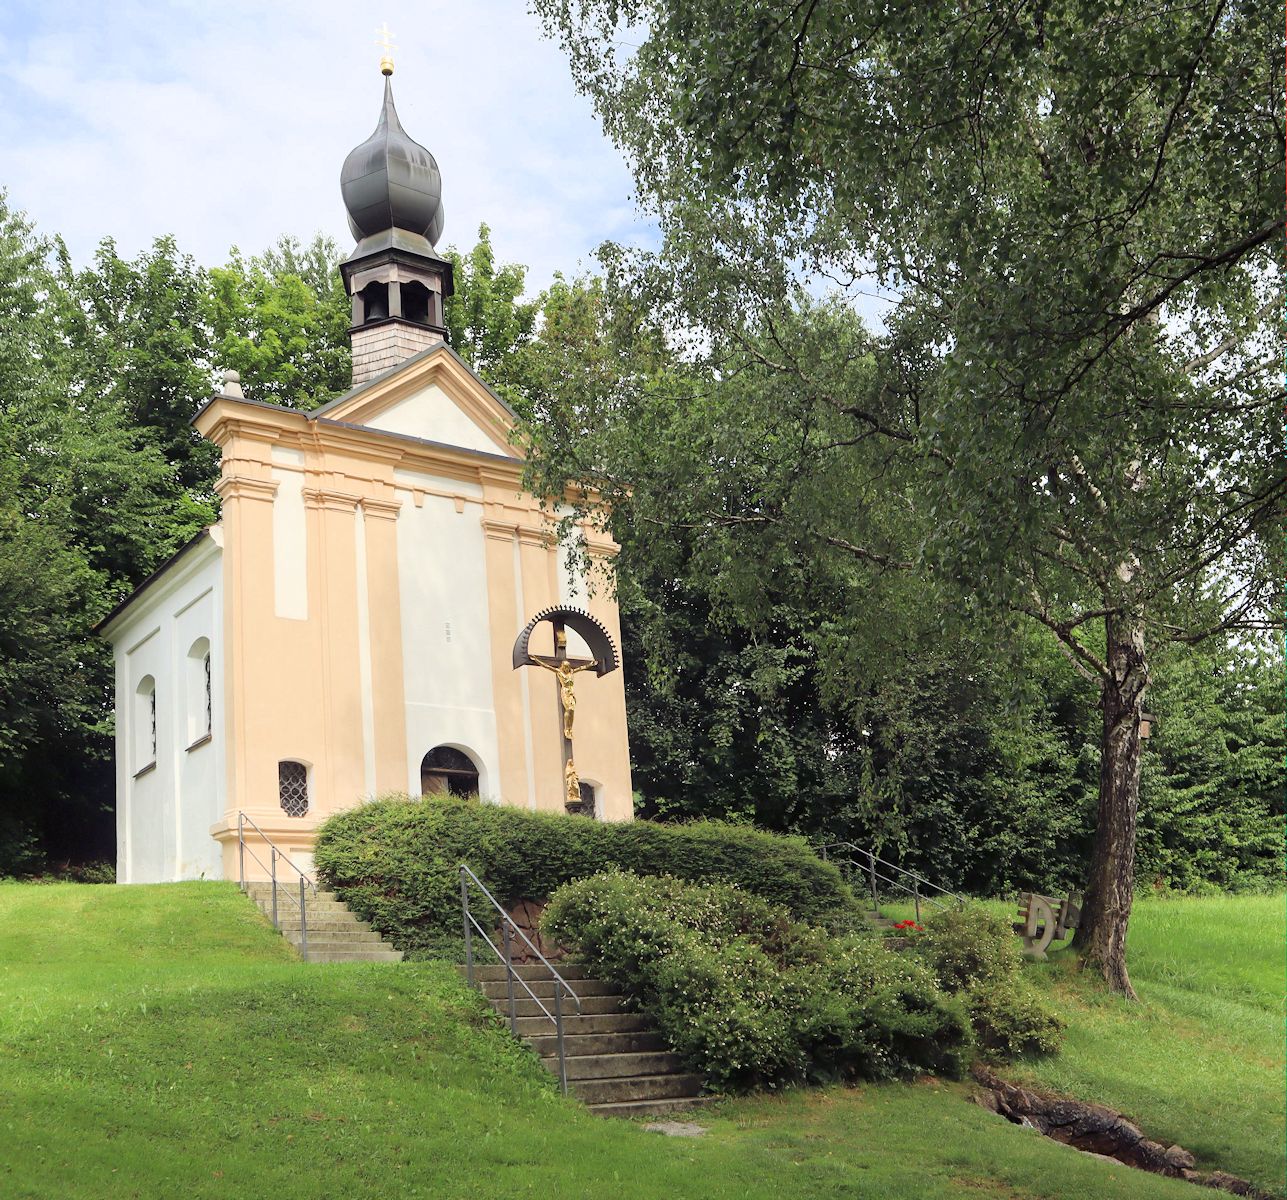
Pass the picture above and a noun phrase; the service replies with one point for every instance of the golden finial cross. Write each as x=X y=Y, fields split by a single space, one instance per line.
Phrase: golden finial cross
x=385 y=42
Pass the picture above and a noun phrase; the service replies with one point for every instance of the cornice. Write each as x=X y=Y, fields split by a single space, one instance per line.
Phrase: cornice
x=529 y=536
x=384 y=510
x=332 y=501
x=245 y=487
x=500 y=531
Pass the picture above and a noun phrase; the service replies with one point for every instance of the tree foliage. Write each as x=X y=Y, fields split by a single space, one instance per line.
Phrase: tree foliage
x=488 y=320
x=1077 y=204
x=92 y=497
x=281 y=320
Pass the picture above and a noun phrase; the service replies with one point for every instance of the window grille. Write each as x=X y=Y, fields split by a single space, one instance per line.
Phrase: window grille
x=152 y=716
x=292 y=788
x=209 y=697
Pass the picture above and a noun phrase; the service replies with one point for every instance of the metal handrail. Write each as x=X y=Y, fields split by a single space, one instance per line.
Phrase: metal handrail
x=304 y=881
x=511 y=975
x=918 y=880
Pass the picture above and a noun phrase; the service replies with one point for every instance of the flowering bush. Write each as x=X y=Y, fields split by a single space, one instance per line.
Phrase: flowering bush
x=975 y=954
x=1012 y=1019
x=969 y=946
x=748 y=996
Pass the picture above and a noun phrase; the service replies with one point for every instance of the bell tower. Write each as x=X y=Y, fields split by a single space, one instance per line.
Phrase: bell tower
x=392 y=190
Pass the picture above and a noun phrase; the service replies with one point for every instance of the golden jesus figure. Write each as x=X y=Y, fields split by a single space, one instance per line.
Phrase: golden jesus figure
x=564 y=672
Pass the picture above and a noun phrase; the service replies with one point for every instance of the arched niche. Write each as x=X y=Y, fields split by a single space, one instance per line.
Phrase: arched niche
x=448 y=770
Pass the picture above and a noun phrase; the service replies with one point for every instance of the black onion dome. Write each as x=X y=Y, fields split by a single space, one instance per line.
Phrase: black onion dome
x=391 y=182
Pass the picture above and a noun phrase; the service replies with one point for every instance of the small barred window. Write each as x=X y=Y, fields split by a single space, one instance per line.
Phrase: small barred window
x=292 y=788
x=144 y=725
x=209 y=694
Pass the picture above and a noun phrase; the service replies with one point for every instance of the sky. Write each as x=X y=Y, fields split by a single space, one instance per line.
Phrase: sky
x=226 y=124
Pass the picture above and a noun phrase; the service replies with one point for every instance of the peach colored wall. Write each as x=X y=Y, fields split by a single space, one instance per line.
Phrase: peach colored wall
x=294 y=688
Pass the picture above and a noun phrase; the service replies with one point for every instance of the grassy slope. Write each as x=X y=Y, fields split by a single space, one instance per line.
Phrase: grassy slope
x=157 y=1042
x=1200 y=1061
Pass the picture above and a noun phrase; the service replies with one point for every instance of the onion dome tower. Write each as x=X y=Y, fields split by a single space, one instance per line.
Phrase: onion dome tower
x=392 y=190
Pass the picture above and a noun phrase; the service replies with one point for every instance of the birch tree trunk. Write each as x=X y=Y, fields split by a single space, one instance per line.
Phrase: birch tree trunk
x=1106 y=911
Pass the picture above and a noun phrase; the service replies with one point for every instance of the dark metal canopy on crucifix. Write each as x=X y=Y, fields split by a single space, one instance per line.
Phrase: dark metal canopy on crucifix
x=565 y=670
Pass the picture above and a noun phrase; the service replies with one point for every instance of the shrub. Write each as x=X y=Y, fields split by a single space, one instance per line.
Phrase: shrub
x=879 y=1014
x=1011 y=1019
x=967 y=947
x=746 y=995
x=975 y=953
x=396 y=862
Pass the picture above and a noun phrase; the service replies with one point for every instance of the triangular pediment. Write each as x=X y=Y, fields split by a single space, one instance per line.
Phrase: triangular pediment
x=435 y=397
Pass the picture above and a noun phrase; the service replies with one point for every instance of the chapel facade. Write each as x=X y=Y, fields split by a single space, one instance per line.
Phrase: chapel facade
x=347 y=628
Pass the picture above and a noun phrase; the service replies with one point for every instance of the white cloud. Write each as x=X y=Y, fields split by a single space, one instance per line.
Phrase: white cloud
x=228 y=124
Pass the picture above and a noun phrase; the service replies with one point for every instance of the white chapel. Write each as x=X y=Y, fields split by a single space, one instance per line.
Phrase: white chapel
x=347 y=628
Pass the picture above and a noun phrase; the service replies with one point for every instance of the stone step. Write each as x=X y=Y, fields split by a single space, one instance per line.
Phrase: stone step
x=329 y=944
x=639 y=1087
x=321 y=955
x=486 y=972
x=352 y=925
x=498 y=989
x=288 y=914
x=651 y=1108
x=575 y=1026
x=288 y=905
x=577 y=1044
x=618 y=1066
x=352 y=937
x=263 y=892
x=525 y=1006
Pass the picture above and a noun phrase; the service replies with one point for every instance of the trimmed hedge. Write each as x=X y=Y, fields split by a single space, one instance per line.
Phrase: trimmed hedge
x=396 y=862
x=749 y=997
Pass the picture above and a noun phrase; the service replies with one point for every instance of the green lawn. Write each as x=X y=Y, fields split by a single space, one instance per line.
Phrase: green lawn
x=162 y=1042
x=1200 y=1059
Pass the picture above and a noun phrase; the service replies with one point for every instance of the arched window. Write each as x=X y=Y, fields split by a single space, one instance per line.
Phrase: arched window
x=292 y=788
x=145 y=724
x=445 y=769
x=200 y=696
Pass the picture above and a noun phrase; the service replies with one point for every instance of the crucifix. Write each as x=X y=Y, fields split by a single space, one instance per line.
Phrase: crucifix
x=565 y=669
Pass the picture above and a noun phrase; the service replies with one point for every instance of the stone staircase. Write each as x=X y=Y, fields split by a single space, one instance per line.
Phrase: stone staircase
x=617 y=1066
x=334 y=933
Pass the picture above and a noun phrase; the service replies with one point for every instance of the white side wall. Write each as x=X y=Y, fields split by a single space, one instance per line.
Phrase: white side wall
x=164 y=813
x=446 y=642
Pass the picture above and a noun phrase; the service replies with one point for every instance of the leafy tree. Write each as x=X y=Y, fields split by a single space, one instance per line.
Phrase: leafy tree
x=1211 y=793
x=1078 y=206
x=488 y=321
x=281 y=320
x=88 y=506
x=138 y=334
